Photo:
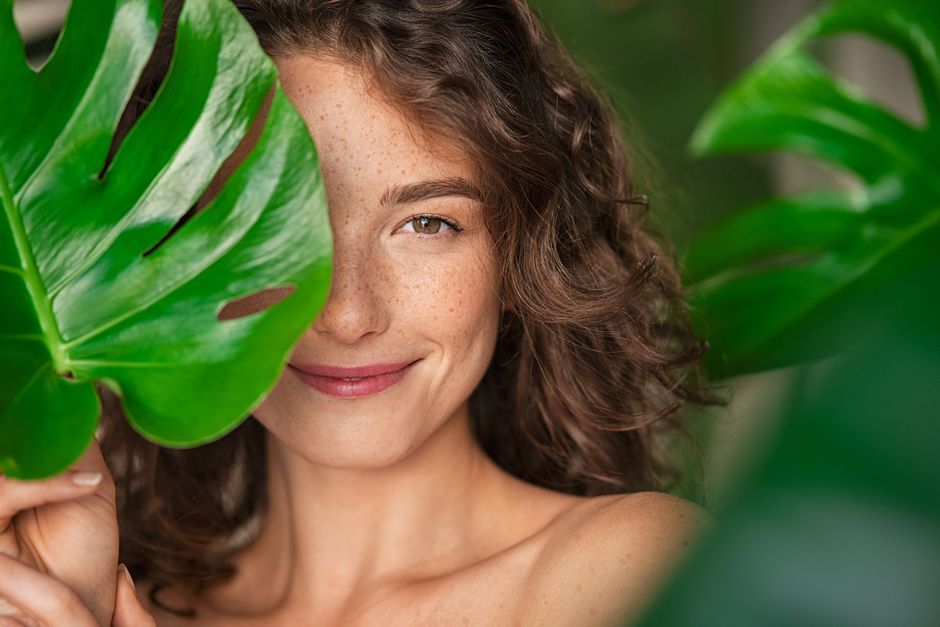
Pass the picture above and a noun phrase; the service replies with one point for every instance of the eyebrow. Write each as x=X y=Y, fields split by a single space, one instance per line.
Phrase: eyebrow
x=423 y=190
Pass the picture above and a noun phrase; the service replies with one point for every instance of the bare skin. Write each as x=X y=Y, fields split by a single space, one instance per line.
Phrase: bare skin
x=384 y=509
x=573 y=561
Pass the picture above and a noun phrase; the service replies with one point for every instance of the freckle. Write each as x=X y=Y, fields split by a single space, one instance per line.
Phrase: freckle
x=623 y=560
x=685 y=543
x=578 y=587
x=593 y=612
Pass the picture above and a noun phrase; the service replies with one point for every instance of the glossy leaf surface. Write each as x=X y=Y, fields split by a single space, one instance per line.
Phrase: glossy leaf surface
x=765 y=281
x=87 y=293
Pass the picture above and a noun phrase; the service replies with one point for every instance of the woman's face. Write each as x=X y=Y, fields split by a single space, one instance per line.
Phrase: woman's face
x=406 y=289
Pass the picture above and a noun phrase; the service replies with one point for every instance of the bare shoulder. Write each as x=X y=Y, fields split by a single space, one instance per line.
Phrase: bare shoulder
x=606 y=560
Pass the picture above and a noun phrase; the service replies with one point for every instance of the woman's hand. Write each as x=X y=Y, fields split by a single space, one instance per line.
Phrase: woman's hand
x=59 y=549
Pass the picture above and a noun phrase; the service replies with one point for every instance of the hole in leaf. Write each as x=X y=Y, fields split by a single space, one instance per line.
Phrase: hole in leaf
x=879 y=71
x=39 y=23
x=794 y=174
x=148 y=84
x=223 y=173
x=253 y=303
x=758 y=24
x=179 y=224
x=149 y=81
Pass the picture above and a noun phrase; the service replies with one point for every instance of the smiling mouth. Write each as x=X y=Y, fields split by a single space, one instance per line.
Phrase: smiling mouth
x=337 y=382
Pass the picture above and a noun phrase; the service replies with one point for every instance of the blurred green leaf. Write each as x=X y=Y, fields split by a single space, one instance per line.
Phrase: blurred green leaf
x=765 y=281
x=840 y=524
x=88 y=294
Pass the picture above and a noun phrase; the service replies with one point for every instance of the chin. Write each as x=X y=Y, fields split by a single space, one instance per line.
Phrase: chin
x=352 y=456
x=352 y=442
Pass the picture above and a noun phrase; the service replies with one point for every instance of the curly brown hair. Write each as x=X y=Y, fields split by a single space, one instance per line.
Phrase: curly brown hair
x=595 y=357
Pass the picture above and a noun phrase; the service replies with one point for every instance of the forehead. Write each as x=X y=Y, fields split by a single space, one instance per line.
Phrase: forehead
x=361 y=138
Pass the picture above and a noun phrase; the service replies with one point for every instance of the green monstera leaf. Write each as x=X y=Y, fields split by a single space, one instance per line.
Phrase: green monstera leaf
x=769 y=284
x=92 y=288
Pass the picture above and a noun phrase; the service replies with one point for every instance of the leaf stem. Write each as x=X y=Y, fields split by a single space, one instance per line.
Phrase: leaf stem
x=31 y=277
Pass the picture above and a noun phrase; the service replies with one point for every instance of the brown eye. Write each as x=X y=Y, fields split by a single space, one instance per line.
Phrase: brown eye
x=429 y=224
x=426 y=225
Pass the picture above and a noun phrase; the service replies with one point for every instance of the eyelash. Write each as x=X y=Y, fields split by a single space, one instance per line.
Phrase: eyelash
x=455 y=228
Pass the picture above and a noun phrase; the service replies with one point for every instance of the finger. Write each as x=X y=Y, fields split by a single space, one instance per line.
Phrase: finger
x=41 y=597
x=11 y=616
x=17 y=495
x=92 y=459
x=128 y=612
x=18 y=622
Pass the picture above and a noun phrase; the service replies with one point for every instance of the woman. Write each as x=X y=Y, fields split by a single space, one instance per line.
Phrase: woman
x=473 y=429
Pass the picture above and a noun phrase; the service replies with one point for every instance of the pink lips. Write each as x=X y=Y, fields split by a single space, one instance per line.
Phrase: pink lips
x=351 y=382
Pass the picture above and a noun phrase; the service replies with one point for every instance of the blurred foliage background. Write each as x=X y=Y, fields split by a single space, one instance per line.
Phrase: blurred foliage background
x=664 y=63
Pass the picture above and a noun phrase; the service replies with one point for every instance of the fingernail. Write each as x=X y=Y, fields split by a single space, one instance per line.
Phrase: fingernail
x=127 y=574
x=86 y=478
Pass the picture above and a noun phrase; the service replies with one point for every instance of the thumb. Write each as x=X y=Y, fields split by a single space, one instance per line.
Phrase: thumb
x=92 y=460
x=128 y=612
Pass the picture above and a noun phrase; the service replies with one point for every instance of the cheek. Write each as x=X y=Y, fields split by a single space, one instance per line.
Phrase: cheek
x=451 y=304
x=442 y=303
x=450 y=299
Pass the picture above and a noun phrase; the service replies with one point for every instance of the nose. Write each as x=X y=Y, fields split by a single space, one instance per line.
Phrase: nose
x=354 y=308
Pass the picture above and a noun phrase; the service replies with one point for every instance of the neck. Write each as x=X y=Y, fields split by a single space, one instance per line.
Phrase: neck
x=332 y=534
